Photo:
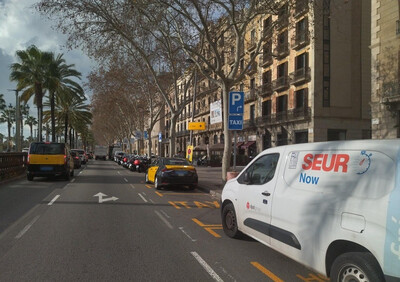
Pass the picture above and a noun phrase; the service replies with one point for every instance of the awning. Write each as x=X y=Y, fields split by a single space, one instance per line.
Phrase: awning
x=248 y=144
x=238 y=144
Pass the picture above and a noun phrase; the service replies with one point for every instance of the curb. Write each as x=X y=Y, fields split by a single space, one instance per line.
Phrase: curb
x=213 y=193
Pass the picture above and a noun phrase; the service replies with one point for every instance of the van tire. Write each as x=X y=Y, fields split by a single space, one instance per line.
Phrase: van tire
x=229 y=222
x=360 y=266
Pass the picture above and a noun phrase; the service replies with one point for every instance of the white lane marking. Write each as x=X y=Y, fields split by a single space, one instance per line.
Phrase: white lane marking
x=54 y=199
x=26 y=228
x=206 y=267
x=152 y=201
x=126 y=180
x=164 y=213
x=143 y=198
x=164 y=220
x=80 y=172
x=187 y=235
x=133 y=187
x=72 y=180
x=118 y=172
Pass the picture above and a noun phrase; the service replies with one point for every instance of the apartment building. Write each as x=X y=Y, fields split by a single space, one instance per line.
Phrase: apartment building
x=310 y=83
x=385 y=54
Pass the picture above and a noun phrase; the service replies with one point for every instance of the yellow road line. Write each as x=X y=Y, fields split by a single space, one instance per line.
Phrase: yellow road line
x=313 y=277
x=211 y=231
x=272 y=276
x=148 y=186
x=203 y=225
x=158 y=193
x=200 y=194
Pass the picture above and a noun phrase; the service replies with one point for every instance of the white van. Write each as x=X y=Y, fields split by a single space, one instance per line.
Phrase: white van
x=332 y=206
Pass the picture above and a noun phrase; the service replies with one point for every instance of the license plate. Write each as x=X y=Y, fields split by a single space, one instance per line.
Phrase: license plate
x=181 y=173
x=46 y=168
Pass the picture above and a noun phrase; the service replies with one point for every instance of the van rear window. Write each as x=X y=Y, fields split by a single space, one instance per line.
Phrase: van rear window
x=47 y=149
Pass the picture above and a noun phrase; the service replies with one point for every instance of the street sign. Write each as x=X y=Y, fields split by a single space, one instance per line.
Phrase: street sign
x=236 y=103
x=189 y=153
x=197 y=126
x=145 y=135
x=159 y=137
x=235 y=122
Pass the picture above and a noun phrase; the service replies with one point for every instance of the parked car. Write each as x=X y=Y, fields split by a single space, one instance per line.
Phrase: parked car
x=76 y=158
x=82 y=155
x=140 y=164
x=49 y=159
x=168 y=171
x=332 y=206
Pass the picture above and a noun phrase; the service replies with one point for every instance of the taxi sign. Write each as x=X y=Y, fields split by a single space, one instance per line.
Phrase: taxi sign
x=197 y=125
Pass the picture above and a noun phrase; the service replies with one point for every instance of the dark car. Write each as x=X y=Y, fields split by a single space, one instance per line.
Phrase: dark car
x=166 y=171
x=77 y=160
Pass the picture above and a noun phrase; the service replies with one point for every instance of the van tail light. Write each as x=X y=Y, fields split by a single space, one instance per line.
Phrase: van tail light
x=77 y=158
x=27 y=160
x=65 y=159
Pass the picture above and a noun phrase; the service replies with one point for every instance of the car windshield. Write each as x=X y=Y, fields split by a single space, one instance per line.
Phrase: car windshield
x=176 y=162
x=47 y=149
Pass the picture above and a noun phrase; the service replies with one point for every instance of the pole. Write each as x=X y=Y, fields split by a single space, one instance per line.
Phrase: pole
x=17 y=118
x=234 y=151
x=193 y=104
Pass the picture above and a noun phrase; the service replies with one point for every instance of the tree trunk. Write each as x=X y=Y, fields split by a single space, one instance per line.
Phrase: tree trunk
x=40 y=137
x=66 y=129
x=31 y=127
x=150 y=142
x=226 y=158
x=53 y=118
x=9 y=137
x=172 y=132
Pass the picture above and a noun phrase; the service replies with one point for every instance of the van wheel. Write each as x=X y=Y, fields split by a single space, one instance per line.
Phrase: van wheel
x=356 y=266
x=29 y=177
x=229 y=221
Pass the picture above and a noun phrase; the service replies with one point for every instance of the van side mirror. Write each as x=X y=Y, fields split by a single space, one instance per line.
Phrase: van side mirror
x=246 y=178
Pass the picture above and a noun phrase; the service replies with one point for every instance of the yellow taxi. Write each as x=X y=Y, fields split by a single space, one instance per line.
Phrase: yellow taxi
x=168 y=171
x=49 y=159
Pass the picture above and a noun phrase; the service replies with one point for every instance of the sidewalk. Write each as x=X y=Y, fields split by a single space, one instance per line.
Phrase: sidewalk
x=210 y=179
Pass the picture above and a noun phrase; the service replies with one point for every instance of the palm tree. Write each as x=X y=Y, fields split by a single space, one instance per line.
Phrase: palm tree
x=2 y=102
x=58 y=79
x=8 y=116
x=72 y=111
x=31 y=121
x=30 y=75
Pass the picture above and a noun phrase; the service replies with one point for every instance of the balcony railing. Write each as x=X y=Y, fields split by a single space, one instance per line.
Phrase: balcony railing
x=282 y=21
x=391 y=92
x=249 y=123
x=282 y=50
x=301 y=8
x=266 y=59
x=182 y=133
x=266 y=89
x=281 y=116
x=281 y=83
x=215 y=126
x=300 y=75
x=300 y=39
x=250 y=96
x=264 y=120
x=252 y=45
x=302 y=113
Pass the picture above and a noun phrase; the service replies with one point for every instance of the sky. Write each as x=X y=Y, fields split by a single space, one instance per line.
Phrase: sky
x=21 y=26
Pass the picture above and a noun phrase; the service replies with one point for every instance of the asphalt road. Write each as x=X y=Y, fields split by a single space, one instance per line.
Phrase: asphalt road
x=106 y=224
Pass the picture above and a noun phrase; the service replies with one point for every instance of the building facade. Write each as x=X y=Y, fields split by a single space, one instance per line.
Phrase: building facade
x=310 y=83
x=385 y=54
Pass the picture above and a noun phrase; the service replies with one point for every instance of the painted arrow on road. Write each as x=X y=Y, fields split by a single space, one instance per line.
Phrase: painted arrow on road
x=102 y=200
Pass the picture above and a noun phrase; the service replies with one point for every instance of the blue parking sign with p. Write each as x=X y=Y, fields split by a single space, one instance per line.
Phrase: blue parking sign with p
x=236 y=103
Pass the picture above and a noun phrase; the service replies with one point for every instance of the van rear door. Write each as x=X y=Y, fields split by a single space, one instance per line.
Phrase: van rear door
x=256 y=188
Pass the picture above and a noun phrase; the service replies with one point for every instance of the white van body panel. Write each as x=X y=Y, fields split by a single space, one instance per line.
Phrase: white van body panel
x=326 y=192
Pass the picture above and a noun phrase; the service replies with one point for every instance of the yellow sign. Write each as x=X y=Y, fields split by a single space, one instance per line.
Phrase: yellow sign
x=197 y=125
x=189 y=153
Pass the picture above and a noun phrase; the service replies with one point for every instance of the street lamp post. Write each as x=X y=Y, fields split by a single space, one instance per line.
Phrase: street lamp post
x=17 y=118
x=193 y=100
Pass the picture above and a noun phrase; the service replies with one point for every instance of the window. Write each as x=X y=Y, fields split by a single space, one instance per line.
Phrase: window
x=221 y=139
x=266 y=108
x=215 y=139
x=253 y=36
x=336 y=134
x=267 y=77
x=47 y=149
x=241 y=87
x=397 y=27
x=301 y=137
x=282 y=70
x=281 y=103
x=301 y=98
x=241 y=64
x=252 y=113
x=261 y=171
x=252 y=83
x=301 y=61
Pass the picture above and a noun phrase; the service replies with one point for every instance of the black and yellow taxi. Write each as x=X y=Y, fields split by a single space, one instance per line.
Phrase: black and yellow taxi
x=49 y=159
x=171 y=171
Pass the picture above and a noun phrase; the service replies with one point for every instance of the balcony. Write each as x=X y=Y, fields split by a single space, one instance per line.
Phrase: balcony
x=182 y=133
x=282 y=21
x=264 y=120
x=301 y=75
x=249 y=124
x=252 y=45
x=303 y=113
x=215 y=126
x=266 y=59
x=281 y=116
x=390 y=92
x=301 y=8
x=250 y=96
x=300 y=39
x=282 y=50
x=266 y=89
x=281 y=83
x=252 y=68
